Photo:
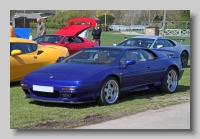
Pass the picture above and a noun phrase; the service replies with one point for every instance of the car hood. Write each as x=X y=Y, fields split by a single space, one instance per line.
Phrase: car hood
x=76 y=29
x=63 y=71
x=72 y=30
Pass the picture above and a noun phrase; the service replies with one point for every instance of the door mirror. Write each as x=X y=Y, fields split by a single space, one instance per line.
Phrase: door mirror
x=67 y=43
x=60 y=59
x=128 y=62
x=159 y=46
x=16 y=52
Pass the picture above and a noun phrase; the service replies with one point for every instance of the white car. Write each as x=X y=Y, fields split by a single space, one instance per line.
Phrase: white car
x=154 y=42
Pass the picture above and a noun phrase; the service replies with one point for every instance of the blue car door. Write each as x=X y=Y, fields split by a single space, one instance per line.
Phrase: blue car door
x=138 y=73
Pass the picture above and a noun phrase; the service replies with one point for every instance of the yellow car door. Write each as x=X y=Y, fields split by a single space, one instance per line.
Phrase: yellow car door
x=23 y=60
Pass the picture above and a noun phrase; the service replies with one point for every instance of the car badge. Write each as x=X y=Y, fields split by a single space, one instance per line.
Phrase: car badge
x=51 y=76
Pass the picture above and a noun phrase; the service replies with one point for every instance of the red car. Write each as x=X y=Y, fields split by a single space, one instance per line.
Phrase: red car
x=68 y=35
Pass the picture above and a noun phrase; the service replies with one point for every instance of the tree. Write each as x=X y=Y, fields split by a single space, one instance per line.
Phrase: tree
x=130 y=17
x=103 y=12
x=185 y=15
x=109 y=19
x=118 y=14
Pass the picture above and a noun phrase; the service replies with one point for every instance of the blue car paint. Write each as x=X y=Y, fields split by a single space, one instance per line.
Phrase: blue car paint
x=87 y=79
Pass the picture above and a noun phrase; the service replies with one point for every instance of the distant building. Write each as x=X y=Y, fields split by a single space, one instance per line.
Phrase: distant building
x=20 y=20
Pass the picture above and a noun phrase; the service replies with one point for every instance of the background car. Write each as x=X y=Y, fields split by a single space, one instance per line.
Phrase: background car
x=159 y=42
x=68 y=36
x=103 y=73
x=27 y=56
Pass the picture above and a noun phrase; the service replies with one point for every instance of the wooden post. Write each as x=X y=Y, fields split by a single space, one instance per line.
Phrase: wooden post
x=164 y=21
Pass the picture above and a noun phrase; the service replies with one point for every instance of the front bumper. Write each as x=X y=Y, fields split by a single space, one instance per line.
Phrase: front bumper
x=181 y=71
x=83 y=94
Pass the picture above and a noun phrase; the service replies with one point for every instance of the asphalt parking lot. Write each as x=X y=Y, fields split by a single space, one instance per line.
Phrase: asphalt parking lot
x=173 y=117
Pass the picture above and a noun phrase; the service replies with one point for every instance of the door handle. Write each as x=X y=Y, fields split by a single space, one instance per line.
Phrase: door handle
x=35 y=57
x=148 y=67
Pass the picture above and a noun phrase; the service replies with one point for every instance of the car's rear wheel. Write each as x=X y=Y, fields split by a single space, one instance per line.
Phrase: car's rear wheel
x=184 y=59
x=169 y=82
x=109 y=92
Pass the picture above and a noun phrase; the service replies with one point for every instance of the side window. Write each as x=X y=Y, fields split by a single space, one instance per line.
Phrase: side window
x=64 y=40
x=24 y=47
x=149 y=55
x=34 y=47
x=161 y=42
x=128 y=42
x=78 y=40
x=171 y=43
x=124 y=57
x=136 y=55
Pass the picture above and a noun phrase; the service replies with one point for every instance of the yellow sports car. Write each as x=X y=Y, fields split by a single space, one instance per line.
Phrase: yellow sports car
x=27 y=56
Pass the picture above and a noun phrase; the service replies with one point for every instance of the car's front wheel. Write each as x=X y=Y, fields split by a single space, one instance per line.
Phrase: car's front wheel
x=109 y=92
x=169 y=82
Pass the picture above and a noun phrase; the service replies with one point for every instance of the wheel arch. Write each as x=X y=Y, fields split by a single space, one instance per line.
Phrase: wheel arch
x=185 y=51
x=114 y=76
x=175 y=67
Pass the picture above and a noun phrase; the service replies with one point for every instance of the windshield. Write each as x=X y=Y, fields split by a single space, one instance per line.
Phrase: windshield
x=93 y=56
x=54 y=39
x=141 y=42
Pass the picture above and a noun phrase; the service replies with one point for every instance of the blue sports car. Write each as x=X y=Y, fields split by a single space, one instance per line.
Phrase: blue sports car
x=161 y=43
x=101 y=74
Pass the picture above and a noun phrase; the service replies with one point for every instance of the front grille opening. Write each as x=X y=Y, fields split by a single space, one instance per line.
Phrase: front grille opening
x=55 y=94
x=68 y=95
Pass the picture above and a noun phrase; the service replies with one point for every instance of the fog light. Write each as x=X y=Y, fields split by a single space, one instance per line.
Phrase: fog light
x=66 y=95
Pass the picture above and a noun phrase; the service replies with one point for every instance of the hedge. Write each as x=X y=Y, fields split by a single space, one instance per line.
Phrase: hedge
x=48 y=25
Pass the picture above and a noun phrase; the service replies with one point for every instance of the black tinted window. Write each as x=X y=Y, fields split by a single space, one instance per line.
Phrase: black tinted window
x=78 y=40
x=54 y=39
x=24 y=47
x=141 y=42
x=34 y=47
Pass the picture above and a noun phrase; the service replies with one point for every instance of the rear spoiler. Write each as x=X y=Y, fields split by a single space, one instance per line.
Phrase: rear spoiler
x=181 y=40
x=91 y=22
x=171 y=53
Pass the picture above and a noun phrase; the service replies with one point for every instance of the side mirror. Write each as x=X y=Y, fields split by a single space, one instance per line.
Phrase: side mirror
x=60 y=59
x=128 y=62
x=114 y=44
x=16 y=52
x=159 y=46
x=67 y=43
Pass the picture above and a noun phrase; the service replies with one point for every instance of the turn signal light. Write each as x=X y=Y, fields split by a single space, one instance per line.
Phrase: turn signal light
x=24 y=84
x=68 y=89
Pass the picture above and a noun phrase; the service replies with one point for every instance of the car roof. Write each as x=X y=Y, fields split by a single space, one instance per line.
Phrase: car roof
x=147 y=36
x=116 y=47
x=21 y=40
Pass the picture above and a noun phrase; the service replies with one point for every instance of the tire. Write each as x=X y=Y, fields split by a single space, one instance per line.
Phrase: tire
x=109 y=92
x=169 y=82
x=184 y=59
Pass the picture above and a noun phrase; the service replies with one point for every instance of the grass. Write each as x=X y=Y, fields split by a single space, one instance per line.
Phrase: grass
x=28 y=114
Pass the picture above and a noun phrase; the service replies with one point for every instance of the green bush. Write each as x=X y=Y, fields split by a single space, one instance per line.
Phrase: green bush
x=156 y=25
x=170 y=26
x=33 y=25
x=49 y=25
